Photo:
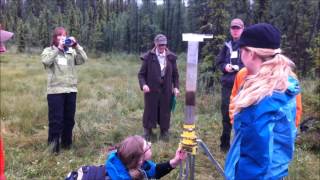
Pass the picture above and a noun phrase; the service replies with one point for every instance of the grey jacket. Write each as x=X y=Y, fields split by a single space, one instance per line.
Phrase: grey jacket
x=60 y=66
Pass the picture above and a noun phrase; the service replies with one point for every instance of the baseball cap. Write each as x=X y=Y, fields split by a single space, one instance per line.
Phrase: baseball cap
x=160 y=39
x=261 y=35
x=237 y=22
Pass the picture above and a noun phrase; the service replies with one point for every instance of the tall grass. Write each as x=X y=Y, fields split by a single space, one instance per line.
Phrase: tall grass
x=109 y=108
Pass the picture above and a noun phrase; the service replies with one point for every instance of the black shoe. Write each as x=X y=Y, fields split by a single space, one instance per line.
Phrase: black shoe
x=225 y=143
x=164 y=136
x=224 y=148
x=54 y=146
x=147 y=134
x=66 y=146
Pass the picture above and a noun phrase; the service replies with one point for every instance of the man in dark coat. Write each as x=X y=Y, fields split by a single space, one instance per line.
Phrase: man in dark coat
x=159 y=80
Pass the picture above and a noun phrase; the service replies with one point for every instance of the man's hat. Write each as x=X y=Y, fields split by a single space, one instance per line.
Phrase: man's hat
x=261 y=35
x=160 y=39
x=237 y=22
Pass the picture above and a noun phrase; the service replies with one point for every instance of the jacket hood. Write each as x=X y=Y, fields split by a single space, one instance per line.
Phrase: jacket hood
x=274 y=102
x=293 y=87
x=115 y=168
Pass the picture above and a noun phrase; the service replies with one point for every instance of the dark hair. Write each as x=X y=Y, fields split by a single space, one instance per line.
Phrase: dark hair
x=58 y=31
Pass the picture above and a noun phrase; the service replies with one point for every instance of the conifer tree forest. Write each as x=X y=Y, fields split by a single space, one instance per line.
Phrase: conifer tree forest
x=103 y=26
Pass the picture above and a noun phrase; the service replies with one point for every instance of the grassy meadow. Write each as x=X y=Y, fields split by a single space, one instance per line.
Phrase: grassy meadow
x=109 y=108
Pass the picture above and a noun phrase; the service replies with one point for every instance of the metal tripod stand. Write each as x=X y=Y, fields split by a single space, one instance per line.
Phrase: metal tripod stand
x=189 y=140
x=190 y=163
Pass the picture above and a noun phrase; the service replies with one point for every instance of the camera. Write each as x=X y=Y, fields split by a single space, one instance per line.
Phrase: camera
x=235 y=67
x=68 y=42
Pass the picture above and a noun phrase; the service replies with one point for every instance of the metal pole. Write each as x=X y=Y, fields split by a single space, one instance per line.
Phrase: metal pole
x=189 y=138
x=210 y=156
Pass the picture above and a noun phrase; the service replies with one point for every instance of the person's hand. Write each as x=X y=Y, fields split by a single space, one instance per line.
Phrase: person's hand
x=176 y=91
x=228 y=68
x=145 y=88
x=179 y=156
x=74 y=41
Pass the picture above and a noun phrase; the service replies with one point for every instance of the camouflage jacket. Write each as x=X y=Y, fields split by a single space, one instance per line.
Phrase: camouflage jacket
x=60 y=66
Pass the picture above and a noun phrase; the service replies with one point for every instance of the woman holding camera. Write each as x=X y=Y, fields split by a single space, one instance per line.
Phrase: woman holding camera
x=59 y=61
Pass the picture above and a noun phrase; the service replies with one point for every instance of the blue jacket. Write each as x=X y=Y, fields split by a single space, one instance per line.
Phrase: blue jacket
x=117 y=171
x=264 y=139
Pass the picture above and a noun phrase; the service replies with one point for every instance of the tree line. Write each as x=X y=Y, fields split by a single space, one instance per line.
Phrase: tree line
x=103 y=26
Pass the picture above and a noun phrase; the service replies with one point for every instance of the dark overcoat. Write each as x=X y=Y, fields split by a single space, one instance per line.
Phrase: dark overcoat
x=157 y=101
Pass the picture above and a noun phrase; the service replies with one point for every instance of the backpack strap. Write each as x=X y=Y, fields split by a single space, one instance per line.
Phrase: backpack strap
x=90 y=172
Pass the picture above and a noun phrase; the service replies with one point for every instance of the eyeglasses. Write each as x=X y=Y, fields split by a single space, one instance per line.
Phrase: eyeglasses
x=161 y=44
x=235 y=27
x=148 y=147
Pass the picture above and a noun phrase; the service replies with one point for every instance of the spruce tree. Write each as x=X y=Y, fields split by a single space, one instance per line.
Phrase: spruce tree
x=220 y=20
x=74 y=23
x=21 y=35
x=44 y=30
x=261 y=11
x=241 y=9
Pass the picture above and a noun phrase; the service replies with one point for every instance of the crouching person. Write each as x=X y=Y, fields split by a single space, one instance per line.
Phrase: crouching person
x=131 y=160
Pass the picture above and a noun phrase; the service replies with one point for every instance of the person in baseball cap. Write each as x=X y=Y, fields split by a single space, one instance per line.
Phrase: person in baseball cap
x=264 y=109
x=159 y=80
x=160 y=39
x=229 y=63
x=237 y=23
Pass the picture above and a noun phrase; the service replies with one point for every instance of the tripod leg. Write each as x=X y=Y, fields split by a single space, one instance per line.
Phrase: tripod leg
x=210 y=156
x=192 y=164
x=183 y=173
x=180 y=170
x=187 y=169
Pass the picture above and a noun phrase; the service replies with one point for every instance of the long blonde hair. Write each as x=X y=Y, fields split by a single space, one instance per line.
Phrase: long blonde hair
x=272 y=76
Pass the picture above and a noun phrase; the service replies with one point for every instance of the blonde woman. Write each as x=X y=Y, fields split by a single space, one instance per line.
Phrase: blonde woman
x=265 y=109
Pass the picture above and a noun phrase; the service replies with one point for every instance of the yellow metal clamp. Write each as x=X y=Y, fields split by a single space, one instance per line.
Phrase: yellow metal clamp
x=189 y=139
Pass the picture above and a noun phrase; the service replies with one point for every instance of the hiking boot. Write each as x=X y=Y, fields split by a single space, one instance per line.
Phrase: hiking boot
x=164 y=136
x=54 y=146
x=147 y=134
x=66 y=146
x=224 y=148
x=225 y=143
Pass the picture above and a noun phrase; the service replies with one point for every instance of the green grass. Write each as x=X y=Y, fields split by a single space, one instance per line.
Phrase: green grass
x=109 y=108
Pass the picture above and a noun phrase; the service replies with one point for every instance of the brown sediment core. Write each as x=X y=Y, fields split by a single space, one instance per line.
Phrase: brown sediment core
x=191 y=98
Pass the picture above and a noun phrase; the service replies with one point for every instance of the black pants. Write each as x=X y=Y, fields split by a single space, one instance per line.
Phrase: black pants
x=62 y=108
x=225 y=101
